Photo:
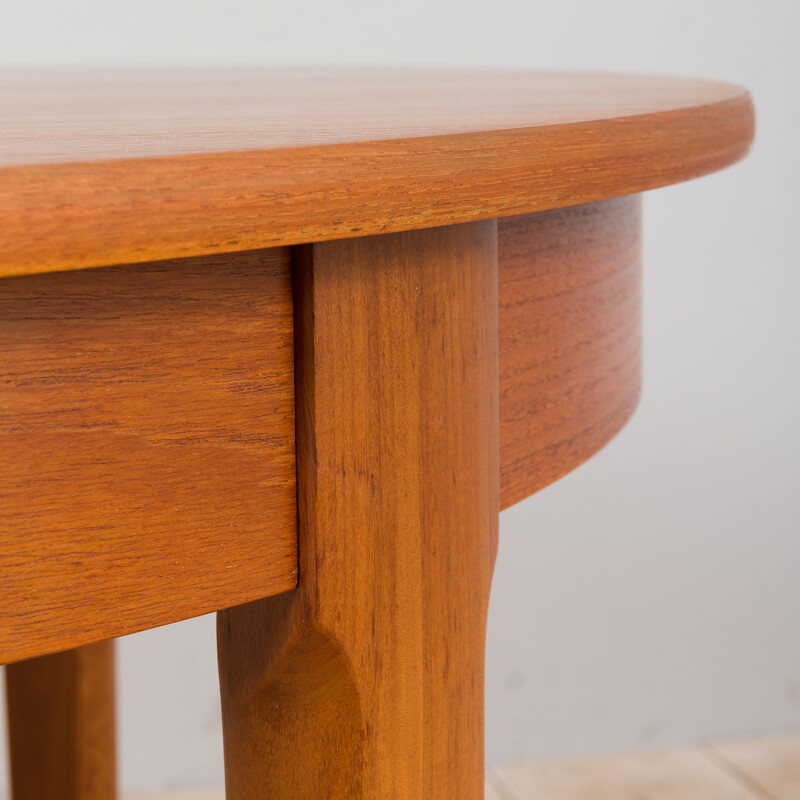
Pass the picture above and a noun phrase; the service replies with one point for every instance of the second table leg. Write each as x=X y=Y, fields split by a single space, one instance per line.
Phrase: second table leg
x=61 y=725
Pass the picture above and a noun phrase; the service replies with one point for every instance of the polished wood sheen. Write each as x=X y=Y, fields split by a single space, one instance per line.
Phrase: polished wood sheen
x=335 y=321
x=570 y=330
x=367 y=681
x=146 y=446
x=101 y=167
x=569 y=361
x=61 y=725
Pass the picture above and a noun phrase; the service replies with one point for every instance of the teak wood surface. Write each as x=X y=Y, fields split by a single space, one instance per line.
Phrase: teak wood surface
x=98 y=168
x=146 y=446
x=368 y=680
x=148 y=412
x=570 y=331
x=234 y=410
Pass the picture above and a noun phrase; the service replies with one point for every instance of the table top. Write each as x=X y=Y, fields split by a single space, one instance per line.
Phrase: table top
x=128 y=165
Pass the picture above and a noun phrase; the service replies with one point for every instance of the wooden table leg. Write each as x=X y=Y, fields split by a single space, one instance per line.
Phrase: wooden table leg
x=367 y=681
x=61 y=725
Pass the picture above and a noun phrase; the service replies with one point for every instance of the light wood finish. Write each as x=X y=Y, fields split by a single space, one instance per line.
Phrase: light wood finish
x=771 y=766
x=368 y=679
x=146 y=446
x=662 y=775
x=490 y=792
x=570 y=330
x=112 y=166
x=189 y=794
x=61 y=725
x=219 y=794
x=764 y=769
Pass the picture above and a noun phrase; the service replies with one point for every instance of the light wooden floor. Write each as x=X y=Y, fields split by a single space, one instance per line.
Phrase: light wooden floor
x=759 y=769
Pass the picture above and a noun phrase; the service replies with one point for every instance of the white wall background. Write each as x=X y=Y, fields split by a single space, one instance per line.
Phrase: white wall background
x=652 y=597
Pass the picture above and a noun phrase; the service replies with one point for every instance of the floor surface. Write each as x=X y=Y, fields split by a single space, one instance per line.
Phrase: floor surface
x=760 y=769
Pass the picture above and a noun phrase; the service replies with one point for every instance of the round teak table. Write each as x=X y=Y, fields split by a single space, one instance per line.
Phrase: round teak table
x=281 y=344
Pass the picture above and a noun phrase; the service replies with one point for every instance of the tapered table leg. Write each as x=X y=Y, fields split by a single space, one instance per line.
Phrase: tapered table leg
x=367 y=681
x=61 y=725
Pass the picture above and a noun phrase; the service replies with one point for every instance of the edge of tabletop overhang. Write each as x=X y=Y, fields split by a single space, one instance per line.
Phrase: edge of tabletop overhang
x=67 y=216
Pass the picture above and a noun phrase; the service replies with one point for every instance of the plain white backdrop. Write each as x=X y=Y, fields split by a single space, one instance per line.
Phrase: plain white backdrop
x=652 y=597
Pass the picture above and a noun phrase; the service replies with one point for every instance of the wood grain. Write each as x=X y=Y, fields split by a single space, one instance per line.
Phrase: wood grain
x=146 y=446
x=113 y=167
x=491 y=792
x=661 y=775
x=91 y=398
x=368 y=679
x=570 y=330
x=61 y=725
x=769 y=766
